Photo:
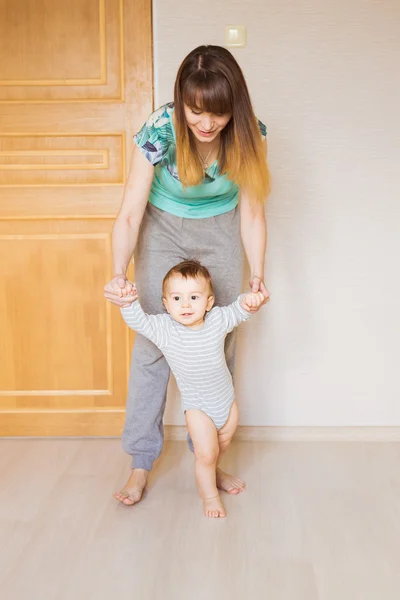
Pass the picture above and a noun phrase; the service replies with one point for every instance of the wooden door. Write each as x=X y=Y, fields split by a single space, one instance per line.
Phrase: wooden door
x=75 y=83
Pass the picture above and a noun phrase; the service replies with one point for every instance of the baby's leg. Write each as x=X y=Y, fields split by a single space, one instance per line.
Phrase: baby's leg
x=226 y=482
x=206 y=450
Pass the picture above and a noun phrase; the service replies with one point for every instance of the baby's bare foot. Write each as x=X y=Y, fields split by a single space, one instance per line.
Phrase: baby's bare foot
x=213 y=508
x=229 y=484
x=132 y=492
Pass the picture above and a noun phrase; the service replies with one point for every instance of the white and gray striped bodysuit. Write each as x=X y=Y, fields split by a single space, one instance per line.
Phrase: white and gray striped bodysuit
x=196 y=356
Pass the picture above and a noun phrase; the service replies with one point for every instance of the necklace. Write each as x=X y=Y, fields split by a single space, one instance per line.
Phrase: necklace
x=204 y=160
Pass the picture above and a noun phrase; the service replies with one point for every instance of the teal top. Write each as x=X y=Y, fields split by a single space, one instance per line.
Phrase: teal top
x=216 y=195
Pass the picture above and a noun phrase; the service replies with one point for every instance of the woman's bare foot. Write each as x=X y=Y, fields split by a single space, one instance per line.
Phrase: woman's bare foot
x=228 y=483
x=132 y=492
x=213 y=508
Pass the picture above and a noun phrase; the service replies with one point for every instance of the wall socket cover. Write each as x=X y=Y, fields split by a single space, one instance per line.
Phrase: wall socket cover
x=235 y=36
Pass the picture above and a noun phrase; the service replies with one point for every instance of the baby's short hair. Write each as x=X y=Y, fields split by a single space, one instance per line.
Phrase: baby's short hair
x=189 y=268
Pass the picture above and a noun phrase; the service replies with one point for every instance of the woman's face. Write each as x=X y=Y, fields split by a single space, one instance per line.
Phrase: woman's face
x=205 y=126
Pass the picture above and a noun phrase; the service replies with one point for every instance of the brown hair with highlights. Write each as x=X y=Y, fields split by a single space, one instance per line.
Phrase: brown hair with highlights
x=189 y=269
x=210 y=80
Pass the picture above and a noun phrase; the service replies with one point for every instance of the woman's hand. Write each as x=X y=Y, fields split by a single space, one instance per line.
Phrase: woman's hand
x=258 y=285
x=120 y=291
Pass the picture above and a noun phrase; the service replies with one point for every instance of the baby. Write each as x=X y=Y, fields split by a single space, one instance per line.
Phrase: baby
x=192 y=337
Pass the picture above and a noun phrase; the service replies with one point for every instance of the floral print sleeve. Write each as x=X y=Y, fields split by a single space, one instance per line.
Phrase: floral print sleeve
x=156 y=135
x=262 y=128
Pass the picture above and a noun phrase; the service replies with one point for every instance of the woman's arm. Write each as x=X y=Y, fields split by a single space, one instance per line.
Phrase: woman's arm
x=127 y=224
x=253 y=228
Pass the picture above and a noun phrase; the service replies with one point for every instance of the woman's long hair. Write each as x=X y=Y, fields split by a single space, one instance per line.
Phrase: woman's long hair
x=210 y=79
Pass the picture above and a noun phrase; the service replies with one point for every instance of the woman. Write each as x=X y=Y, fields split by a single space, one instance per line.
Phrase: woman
x=181 y=201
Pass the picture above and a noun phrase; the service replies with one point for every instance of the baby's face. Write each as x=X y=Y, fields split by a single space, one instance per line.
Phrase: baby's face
x=187 y=300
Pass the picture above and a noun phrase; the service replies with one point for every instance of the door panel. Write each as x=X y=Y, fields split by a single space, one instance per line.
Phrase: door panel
x=62 y=51
x=75 y=83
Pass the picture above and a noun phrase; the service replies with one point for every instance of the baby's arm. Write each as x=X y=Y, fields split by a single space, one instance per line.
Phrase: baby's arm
x=153 y=327
x=238 y=311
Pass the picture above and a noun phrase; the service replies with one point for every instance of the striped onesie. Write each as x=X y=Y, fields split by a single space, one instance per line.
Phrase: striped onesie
x=196 y=356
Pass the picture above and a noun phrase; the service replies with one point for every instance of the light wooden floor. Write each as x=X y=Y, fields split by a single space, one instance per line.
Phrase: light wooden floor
x=318 y=521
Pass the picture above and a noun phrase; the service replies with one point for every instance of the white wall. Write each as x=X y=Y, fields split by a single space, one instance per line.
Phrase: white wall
x=324 y=76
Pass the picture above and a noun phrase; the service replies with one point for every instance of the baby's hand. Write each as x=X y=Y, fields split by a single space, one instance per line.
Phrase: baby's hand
x=129 y=292
x=120 y=291
x=252 y=300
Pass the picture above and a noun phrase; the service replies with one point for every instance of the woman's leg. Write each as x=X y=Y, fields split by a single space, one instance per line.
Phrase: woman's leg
x=206 y=450
x=143 y=433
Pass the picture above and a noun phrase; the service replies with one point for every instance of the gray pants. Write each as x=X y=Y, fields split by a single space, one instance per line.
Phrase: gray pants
x=165 y=240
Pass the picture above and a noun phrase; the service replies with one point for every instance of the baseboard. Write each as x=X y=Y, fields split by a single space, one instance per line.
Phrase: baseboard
x=106 y=424
x=301 y=434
